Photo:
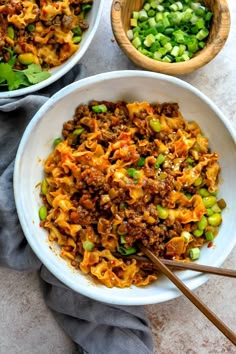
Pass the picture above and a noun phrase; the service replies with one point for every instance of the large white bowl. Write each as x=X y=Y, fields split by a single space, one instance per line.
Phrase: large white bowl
x=93 y=19
x=131 y=86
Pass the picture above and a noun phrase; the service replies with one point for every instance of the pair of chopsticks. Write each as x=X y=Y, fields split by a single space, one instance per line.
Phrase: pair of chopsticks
x=187 y=292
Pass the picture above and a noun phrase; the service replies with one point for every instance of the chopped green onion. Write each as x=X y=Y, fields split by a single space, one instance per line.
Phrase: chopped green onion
x=78 y=131
x=76 y=39
x=209 y=235
x=168 y=24
x=77 y=30
x=194 y=253
x=122 y=239
x=88 y=246
x=186 y=235
x=198 y=233
x=127 y=251
x=132 y=173
x=101 y=108
x=57 y=141
x=160 y=159
x=141 y=162
x=86 y=7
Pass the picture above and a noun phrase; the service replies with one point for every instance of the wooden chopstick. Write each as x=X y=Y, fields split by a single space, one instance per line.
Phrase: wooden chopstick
x=200 y=268
x=190 y=295
x=187 y=266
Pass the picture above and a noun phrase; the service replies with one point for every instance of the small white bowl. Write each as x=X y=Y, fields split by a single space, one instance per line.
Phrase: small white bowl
x=130 y=86
x=93 y=19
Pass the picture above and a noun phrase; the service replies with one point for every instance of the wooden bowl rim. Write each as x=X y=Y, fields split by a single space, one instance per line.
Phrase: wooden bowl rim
x=181 y=68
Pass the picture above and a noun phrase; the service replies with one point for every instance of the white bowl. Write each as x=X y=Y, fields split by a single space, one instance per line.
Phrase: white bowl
x=131 y=86
x=93 y=19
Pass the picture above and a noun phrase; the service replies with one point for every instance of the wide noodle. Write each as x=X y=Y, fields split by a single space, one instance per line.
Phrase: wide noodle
x=125 y=172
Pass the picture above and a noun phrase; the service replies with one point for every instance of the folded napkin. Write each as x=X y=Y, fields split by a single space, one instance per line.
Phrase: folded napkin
x=95 y=327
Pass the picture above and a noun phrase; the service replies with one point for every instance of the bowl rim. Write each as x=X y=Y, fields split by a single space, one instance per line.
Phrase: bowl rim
x=65 y=67
x=192 y=281
x=180 y=68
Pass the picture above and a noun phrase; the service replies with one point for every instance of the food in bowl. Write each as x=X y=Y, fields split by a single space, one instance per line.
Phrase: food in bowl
x=36 y=36
x=126 y=172
x=170 y=31
x=134 y=86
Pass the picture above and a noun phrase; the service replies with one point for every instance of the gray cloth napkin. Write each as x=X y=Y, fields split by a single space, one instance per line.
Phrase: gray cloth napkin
x=95 y=327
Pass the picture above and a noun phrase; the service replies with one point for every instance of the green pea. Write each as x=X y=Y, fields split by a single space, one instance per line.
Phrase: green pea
x=44 y=186
x=215 y=219
x=155 y=125
x=198 y=233
x=202 y=223
x=43 y=212
x=162 y=212
x=209 y=201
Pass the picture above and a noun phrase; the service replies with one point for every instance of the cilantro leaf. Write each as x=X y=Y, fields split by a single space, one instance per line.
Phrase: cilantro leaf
x=12 y=59
x=35 y=74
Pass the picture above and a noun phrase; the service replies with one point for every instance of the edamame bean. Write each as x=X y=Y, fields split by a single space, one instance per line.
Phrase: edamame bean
x=202 y=223
x=155 y=125
x=44 y=186
x=10 y=32
x=198 y=182
x=203 y=192
x=215 y=219
x=209 y=201
x=43 y=212
x=162 y=212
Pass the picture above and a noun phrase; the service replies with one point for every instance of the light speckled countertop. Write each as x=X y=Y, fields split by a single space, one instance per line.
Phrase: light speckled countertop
x=26 y=325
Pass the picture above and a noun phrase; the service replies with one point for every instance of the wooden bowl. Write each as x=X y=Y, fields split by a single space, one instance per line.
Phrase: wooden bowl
x=120 y=17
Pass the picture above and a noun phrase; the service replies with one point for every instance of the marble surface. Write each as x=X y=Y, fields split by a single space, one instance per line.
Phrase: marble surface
x=26 y=325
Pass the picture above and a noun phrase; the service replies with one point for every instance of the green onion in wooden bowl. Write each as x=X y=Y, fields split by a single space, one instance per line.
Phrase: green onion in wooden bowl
x=170 y=36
